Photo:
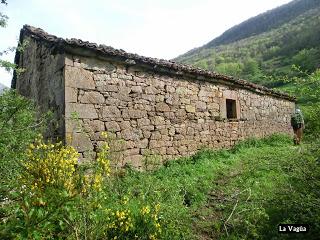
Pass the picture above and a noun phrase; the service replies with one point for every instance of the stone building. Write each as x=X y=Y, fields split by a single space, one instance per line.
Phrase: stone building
x=149 y=105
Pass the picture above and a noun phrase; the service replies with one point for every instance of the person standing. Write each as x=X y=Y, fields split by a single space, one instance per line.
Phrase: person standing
x=297 y=123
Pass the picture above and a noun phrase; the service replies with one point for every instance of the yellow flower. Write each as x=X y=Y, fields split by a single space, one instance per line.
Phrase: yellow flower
x=145 y=210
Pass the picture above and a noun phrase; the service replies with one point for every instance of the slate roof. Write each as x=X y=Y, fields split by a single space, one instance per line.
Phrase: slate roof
x=156 y=64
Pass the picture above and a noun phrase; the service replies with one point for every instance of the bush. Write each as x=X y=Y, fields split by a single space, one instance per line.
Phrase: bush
x=18 y=127
x=56 y=198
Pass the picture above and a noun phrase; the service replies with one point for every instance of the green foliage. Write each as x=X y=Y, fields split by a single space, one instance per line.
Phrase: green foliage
x=260 y=47
x=231 y=68
x=54 y=198
x=7 y=65
x=307 y=59
x=225 y=194
x=307 y=89
x=3 y=20
x=269 y=182
x=18 y=126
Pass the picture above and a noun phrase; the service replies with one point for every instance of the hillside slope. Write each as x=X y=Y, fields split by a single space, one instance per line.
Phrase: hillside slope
x=268 y=44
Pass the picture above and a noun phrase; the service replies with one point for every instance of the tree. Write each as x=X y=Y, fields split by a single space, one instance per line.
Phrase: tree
x=7 y=65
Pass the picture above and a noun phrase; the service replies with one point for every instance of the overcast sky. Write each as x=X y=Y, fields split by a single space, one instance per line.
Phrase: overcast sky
x=153 y=28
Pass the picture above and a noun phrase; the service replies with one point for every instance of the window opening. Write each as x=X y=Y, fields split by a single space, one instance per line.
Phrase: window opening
x=231 y=108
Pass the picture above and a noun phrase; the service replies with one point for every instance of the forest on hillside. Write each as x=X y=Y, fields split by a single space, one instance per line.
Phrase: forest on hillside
x=269 y=54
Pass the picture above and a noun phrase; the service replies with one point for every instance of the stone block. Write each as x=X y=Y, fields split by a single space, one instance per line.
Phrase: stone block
x=190 y=109
x=125 y=125
x=142 y=143
x=135 y=160
x=101 y=77
x=170 y=89
x=130 y=134
x=130 y=152
x=78 y=78
x=143 y=122
x=95 y=125
x=91 y=97
x=71 y=95
x=162 y=107
x=112 y=126
x=133 y=113
x=151 y=90
x=151 y=98
x=108 y=88
x=201 y=106
x=81 y=110
x=68 y=61
x=159 y=98
x=110 y=112
x=81 y=142
x=205 y=93
x=158 y=120
x=136 y=89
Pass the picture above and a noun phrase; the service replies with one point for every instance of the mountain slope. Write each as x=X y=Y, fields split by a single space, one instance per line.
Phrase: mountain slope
x=261 y=46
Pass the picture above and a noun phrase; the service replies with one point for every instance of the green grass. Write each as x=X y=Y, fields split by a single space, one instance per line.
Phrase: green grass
x=231 y=194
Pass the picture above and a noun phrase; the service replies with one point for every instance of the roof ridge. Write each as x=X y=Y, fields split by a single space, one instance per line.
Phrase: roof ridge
x=169 y=64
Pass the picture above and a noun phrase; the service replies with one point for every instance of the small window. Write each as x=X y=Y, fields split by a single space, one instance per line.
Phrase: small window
x=231 y=108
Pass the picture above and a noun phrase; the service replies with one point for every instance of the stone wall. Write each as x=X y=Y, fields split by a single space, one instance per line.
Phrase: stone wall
x=167 y=115
x=43 y=82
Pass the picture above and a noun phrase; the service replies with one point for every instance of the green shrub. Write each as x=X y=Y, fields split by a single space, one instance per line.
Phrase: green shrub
x=18 y=127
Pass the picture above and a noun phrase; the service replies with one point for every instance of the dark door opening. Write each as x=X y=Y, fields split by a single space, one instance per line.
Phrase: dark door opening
x=231 y=108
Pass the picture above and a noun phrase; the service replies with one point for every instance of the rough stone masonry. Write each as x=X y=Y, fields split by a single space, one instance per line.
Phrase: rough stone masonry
x=148 y=106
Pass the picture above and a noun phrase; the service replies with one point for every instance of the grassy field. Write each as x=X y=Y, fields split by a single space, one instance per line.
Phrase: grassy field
x=243 y=193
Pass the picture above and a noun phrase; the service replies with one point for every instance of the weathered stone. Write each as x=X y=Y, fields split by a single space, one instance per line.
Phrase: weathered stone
x=71 y=95
x=151 y=90
x=78 y=78
x=110 y=112
x=135 y=161
x=190 y=109
x=158 y=120
x=131 y=152
x=101 y=77
x=112 y=126
x=95 y=125
x=159 y=98
x=81 y=142
x=204 y=93
x=136 y=89
x=130 y=134
x=201 y=106
x=81 y=111
x=142 y=143
x=181 y=90
x=162 y=107
x=143 y=122
x=170 y=89
x=125 y=125
x=134 y=114
x=91 y=97
x=108 y=88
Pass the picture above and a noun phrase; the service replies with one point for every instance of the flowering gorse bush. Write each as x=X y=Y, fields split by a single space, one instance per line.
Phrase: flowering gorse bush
x=50 y=165
x=58 y=198
x=135 y=223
